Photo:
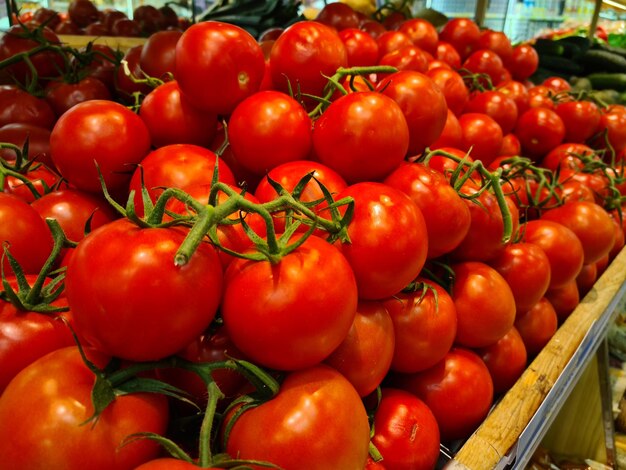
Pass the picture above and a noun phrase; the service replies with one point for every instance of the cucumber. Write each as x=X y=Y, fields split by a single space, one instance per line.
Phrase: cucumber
x=595 y=60
x=613 y=49
x=560 y=64
x=574 y=46
x=603 y=81
x=549 y=47
x=581 y=84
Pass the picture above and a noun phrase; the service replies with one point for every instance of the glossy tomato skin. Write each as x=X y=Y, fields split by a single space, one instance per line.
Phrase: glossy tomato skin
x=517 y=92
x=42 y=179
x=361 y=47
x=523 y=62
x=484 y=303
x=497 y=42
x=581 y=119
x=218 y=65
x=171 y=118
x=406 y=432
x=38 y=142
x=537 y=326
x=422 y=103
x=130 y=300
x=26 y=233
x=425 y=326
x=506 y=360
x=267 y=129
x=389 y=239
x=303 y=54
x=564 y=299
x=58 y=387
x=62 y=96
x=123 y=84
x=309 y=297
x=365 y=354
x=317 y=396
x=453 y=88
x=462 y=33
x=526 y=268
x=158 y=55
x=18 y=106
x=458 y=390
x=485 y=61
x=452 y=134
x=103 y=131
x=591 y=224
x=539 y=131
x=406 y=58
x=482 y=136
x=349 y=139
x=338 y=16
x=448 y=54
x=496 y=105
x=168 y=463
x=511 y=146
x=422 y=34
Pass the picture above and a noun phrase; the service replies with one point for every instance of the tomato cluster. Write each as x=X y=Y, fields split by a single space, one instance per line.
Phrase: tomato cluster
x=391 y=244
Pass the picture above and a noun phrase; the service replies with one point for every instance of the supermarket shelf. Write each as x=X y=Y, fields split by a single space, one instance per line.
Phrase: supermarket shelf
x=121 y=43
x=515 y=427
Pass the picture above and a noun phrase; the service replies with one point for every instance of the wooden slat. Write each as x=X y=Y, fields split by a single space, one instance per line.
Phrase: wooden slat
x=121 y=43
x=501 y=429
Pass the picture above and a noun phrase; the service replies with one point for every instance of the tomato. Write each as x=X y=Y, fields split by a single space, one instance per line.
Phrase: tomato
x=561 y=245
x=564 y=299
x=303 y=54
x=111 y=16
x=364 y=356
x=308 y=324
x=557 y=84
x=619 y=236
x=171 y=118
x=496 y=105
x=586 y=279
x=573 y=190
x=540 y=97
x=448 y=54
x=159 y=53
x=526 y=269
x=96 y=29
x=591 y=223
x=390 y=41
x=349 y=139
x=338 y=16
x=511 y=146
x=361 y=47
x=602 y=265
x=462 y=34
x=267 y=129
x=612 y=127
x=566 y=156
x=484 y=303
x=26 y=233
x=517 y=92
x=446 y=215
x=124 y=27
x=72 y=208
x=421 y=33
x=288 y=175
x=422 y=103
x=497 y=42
x=101 y=65
x=373 y=28
x=452 y=134
x=458 y=390
x=149 y=18
x=523 y=62
x=47 y=16
x=103 y=131
x=482 y=136
x=537 y=326
x=41 y=177
x=506 y=360
x=405 y=432
x=453 y=88
x=168 y=463
x=425 y=324
x=539 y=130
x=38 y=142
x=18 y=106
x=218 y=65
x=170 y=17
x=83 y=12
x=484 y=61
x=333 y=431
x=57 y=389
x=123 y=288
x=388 y=239
x=406 y=58
x=47 y=64
x=62 y=96
x=581 y=119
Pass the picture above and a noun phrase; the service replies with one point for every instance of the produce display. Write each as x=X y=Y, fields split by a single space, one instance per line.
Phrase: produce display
x=333 y=246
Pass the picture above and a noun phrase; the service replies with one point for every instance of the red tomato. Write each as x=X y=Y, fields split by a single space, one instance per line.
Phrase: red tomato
x=421 y=33
x=101 y=64
x=561 y=245
x=497 y=42
x=422 y=103
x=517 y=92
x=566 y=156
x=613 y=123
x=338 y=15
x=482 y=136
x=149 y=18
x=540 y=97
x=38 y=142
x=103 y=131
x=557 y=84
x=537 y=326
x=581 y=119
x=586 y=279
x=365 y=355
x=168 y=463
x=406 y=58
x=123 y=288
x=308 y=324
x=349 y=139
x=484 y=61
x=452 y=134
x=573 y=190
x=111 y=16
x=425 y=324
x=171 y=119
x=511 y=146
x=506 y=360
x=446 y=215
x=58 y=387
x=316 y=396
x=458 y=390
x=405 y=432
x=602 y=265
x=218 y=65
x=448 y=54
x=123 y=84
x=496 y=105
x=83 y=12
x=388 y=239
x=303 y=54
x=523 y=62
x=462 y=34
x=26 y=233
x=41 y=177
x=18 y=106
x=526 y=269
x=539 y=130
x=67 y=27
x=373 y=28
x=47 y=16
x=267 y=129
x=453 y=88
x=361 y=47
x=484 y=302
x=591 y=223
x=391 y=41
x=564 y=299
x=158 y=54
x=62 y=96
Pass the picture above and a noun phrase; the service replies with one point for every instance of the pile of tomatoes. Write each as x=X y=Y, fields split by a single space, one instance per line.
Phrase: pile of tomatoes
x=387 y=220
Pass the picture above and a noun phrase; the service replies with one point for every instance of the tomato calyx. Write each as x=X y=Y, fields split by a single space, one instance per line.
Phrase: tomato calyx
x=476 y=82
x=38 y=297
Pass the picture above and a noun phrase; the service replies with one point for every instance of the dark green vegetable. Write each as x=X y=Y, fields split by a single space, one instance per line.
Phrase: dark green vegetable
x=560 y=65
x=603 y=81
x=595 y=60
